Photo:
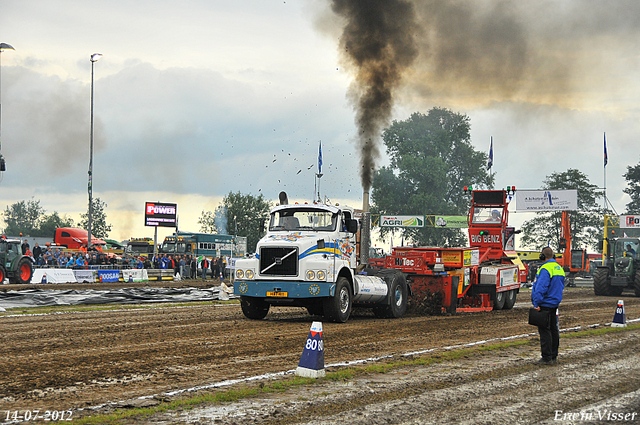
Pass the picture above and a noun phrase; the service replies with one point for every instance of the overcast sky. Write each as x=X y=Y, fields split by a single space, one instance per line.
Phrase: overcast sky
x=194 y=99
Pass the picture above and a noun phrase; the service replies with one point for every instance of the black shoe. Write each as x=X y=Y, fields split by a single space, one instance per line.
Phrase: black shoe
x=545 y=362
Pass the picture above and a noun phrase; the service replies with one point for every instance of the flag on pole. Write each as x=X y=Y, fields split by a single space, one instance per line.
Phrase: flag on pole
x=490 y=163
x=606 y=158
x=320 y=158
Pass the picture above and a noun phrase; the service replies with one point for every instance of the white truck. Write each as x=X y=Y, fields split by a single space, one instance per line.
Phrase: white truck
x=308 y=259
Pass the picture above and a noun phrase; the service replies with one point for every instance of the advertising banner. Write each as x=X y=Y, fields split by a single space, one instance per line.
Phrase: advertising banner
x=53 y=276
x=109 y=275
x=134 y=275
x=447 y=221
x=160 y=214
x=546 y=200
x=84 y=276
x=630 y=221
x=401 y=221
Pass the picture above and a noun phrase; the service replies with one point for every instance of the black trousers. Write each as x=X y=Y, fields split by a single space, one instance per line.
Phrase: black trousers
x=550 y=337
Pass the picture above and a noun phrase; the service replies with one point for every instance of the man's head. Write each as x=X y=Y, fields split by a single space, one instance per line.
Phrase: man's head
x=547 y=252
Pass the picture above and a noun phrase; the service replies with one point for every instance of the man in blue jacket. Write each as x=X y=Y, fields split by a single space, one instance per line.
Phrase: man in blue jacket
x=546 y=295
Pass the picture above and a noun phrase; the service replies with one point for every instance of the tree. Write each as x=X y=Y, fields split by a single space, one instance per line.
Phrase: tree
x=587 y=223
x=633 y=181
x=99 y=227
x=245 y=216
x=49 y=223
x=22 y=217
x=432 y=159
x=207 y=222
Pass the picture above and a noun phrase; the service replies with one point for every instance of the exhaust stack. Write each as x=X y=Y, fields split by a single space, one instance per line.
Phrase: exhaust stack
x=284 y=200
x=365 y=230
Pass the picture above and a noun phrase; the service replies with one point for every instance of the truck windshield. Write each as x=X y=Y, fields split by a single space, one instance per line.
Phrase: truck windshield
x=299 y=220
x=486 y=215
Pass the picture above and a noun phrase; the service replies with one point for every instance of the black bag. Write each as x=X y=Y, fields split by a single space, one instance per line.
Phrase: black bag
x=539 y=317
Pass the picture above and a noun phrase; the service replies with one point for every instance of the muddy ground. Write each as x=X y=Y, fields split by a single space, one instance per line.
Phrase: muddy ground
x=93 y=362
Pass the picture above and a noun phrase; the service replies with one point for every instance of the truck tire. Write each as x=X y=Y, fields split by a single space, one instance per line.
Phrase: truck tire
x=24 y=272
x=636 y=283
x=254 y=308
x=338 y=308
x=3 y=275
x=396 y=299
x=498 y=302
x=600 y=284
x=511 y=299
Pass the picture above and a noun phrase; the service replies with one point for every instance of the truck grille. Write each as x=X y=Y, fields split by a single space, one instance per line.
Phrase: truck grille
x=274 y=263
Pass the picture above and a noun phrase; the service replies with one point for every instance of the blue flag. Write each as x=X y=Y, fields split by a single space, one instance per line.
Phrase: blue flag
x=320 y=158
x=490 y=163
x=606 y=158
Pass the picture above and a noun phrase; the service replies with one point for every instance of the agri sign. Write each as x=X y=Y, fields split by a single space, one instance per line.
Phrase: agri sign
x=401 y=221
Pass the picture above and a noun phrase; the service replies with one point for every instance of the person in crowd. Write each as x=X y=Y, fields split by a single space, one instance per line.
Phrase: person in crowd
x=164 y=261
x=37 y=253
x=47 y=257
x=204 y=264
x=156 y=261
x=147 y=263
x=182 y=265
x=80 y=262
x=215 y=268
x=194 y=266
x=222 y=265
x=25 y=247
x=70 y=262
x=546 y=295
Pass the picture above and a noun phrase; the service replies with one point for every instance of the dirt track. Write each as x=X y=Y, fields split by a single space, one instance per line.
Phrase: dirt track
x=77 y=360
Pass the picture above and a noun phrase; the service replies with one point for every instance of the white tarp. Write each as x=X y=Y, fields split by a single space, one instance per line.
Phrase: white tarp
x=54 y=276
x=546 y=200
x=84 y=276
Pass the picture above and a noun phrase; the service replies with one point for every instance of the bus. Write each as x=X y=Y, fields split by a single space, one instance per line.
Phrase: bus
x=204 y=244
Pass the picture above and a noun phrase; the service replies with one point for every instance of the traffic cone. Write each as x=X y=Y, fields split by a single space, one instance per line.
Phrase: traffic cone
x=620 y=318
x=312 y=361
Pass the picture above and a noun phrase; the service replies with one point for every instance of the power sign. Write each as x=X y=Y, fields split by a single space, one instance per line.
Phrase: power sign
x=630 y=221
x=160 y=215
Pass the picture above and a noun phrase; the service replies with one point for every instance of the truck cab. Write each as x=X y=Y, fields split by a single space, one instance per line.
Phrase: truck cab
x=308 y=259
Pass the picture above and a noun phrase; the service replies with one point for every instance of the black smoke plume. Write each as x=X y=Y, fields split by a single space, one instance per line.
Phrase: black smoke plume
x=378 y=44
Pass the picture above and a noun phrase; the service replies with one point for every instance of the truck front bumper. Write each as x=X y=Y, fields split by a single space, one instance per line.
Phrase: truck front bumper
x=283 y=289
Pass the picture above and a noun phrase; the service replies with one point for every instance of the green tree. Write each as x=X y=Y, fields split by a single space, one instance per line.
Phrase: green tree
x=432 y=159
x=99 y=227
x=22 y=217
x=207 y=222
x=245 y=216
x=587 y=224
x=633 y=181
x=48 y=224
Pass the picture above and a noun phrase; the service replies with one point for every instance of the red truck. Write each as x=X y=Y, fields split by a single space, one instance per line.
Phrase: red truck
x=75 y=238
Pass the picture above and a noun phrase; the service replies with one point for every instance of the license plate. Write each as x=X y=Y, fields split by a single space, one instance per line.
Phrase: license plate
x=277 y=294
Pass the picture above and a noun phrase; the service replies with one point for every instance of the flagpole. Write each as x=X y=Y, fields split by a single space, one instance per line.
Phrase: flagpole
x=606 y=159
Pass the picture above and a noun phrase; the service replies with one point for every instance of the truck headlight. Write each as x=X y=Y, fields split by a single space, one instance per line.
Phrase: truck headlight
x=239 y=274
x=249 y=274
x=321 y=275
x=311 y=275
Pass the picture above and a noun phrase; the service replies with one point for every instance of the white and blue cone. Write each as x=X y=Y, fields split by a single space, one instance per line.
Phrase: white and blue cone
x=312 y=361
x=620 y=318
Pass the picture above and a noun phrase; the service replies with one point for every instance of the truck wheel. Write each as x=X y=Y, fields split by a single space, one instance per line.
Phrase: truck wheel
x=511 y=299
x=338 y=308
x=397 y=298
x=2 y=275
x=600 y=284
x=636 y=283
x=498 y=303
x=24 y=271
x=254 y=308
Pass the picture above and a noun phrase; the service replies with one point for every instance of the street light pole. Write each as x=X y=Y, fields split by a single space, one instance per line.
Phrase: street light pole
x=3 y=46
x=94 y=58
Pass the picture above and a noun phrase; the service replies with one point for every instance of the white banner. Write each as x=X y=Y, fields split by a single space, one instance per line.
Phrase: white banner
x=546 y=200
x=84 y=276
x=402 y=221
x=53 y=276
x=630 y=221
x=134 y=275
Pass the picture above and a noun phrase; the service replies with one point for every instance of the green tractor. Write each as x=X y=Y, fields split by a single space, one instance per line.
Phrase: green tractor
x=13 y=265
x=620 y=269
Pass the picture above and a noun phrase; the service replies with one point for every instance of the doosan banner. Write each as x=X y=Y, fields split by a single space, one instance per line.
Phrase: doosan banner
x=547 y=200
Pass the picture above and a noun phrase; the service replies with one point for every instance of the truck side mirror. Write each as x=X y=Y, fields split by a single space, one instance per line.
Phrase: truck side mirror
x=352 y=226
